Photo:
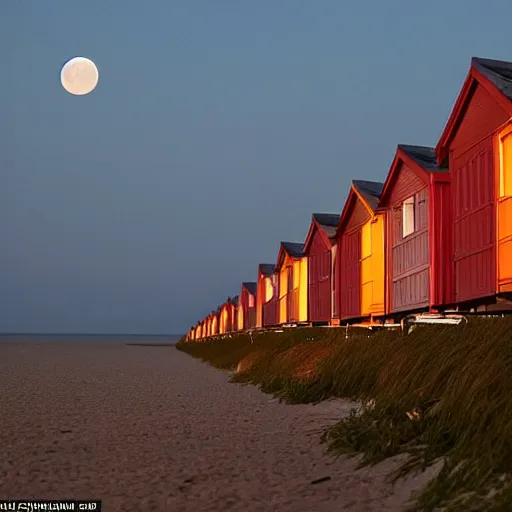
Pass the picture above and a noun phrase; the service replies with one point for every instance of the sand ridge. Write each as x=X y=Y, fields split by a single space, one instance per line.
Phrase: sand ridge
x=152 y=429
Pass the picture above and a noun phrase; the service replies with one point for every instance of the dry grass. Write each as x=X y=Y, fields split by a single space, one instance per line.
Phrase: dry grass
x=457 y=379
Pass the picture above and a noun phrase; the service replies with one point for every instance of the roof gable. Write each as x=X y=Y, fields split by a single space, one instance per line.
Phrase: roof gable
x=496 y=77
x=420 y=159
x=293 y=249
x=251 y=287
x=266 y=269
x=326 y=224
x=368 y=192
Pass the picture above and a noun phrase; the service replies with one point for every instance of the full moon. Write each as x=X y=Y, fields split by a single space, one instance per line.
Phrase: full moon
x=79 y=76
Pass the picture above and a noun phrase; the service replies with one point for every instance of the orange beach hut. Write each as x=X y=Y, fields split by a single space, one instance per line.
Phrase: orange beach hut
x=359 y=280
x=292 y=267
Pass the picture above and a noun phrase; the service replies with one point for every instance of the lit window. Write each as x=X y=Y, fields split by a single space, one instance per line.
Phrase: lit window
x=408 y=217
x=251 y=300
x=506 y=165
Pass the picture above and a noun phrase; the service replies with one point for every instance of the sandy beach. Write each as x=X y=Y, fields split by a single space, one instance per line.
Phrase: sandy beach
x=149 y=428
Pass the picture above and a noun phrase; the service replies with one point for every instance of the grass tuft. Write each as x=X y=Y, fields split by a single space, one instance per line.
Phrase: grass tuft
x=441 y=393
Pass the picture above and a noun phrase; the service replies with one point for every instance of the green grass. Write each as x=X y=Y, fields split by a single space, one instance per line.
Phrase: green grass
x=459 y=379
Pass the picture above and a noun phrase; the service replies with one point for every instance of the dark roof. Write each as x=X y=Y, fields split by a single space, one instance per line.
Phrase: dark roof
x=498 y=72
x=370 y=190
x=251 y=287
x=328 y=222
x=267 y=268
x=234 y=300
x=424 y=156
x=294 y=249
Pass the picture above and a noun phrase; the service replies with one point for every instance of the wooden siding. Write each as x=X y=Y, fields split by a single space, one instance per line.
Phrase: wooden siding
x=406 y=184
x=270 y=311
x=474 y=222
x=408 y=257
x=482 y=118
x=293 y=290
x=246 y=315
x=350 y=288
x=442 y=291
x=319 y=277
x=358 y=215
x=360 y=262
x=474 y=164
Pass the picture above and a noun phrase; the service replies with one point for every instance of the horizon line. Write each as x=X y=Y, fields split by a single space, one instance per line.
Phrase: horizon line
x=82 y=334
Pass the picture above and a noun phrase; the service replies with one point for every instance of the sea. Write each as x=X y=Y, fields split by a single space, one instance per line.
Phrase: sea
x=126 y=339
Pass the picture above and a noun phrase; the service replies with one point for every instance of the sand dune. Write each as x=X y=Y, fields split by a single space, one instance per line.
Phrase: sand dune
x=149 y=428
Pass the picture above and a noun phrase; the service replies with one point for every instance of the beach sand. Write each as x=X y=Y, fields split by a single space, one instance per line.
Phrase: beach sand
x=150 y=428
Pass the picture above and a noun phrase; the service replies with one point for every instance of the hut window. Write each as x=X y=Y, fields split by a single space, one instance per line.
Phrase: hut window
x=506 y=165
x=408 y=217
x=251 y=300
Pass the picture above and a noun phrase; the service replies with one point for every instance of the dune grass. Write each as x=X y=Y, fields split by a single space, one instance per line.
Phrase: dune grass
x=442 y=393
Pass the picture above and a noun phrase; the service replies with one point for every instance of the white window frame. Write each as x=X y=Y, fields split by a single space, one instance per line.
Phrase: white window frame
x=408 y=216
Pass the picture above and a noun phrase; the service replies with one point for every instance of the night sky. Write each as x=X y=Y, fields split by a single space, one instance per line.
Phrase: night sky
x=216 y=129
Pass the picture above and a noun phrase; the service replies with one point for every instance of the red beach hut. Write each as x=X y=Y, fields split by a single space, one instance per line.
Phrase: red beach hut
x=247 y=306
x=266 y=296
x=476 y=145
x=320 y=247
x=417 y=200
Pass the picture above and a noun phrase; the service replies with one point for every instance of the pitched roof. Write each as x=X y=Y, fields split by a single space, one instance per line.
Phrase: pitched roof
x=328 y=222
x=370 y=190
x=422 y=160
x=424 y=156
x=294 y=249
x=498 y=72
x=493 y=75
x=267 y=268
x=234 y=300
x=251 y=287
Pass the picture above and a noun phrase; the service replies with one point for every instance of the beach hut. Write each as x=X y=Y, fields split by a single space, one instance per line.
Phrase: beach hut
x=292 y=267
x=476 y=145
x=359 y=269
x=320 y=250
x=417 y=200
x=247 y=306
x=214 y=325
x=227 y=316
x=199 y=331
x=266 y=296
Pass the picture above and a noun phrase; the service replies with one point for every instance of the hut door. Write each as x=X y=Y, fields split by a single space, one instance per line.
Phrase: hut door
x=505 y=213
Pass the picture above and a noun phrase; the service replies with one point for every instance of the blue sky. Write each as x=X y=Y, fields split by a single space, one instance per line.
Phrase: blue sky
x=216 y=129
